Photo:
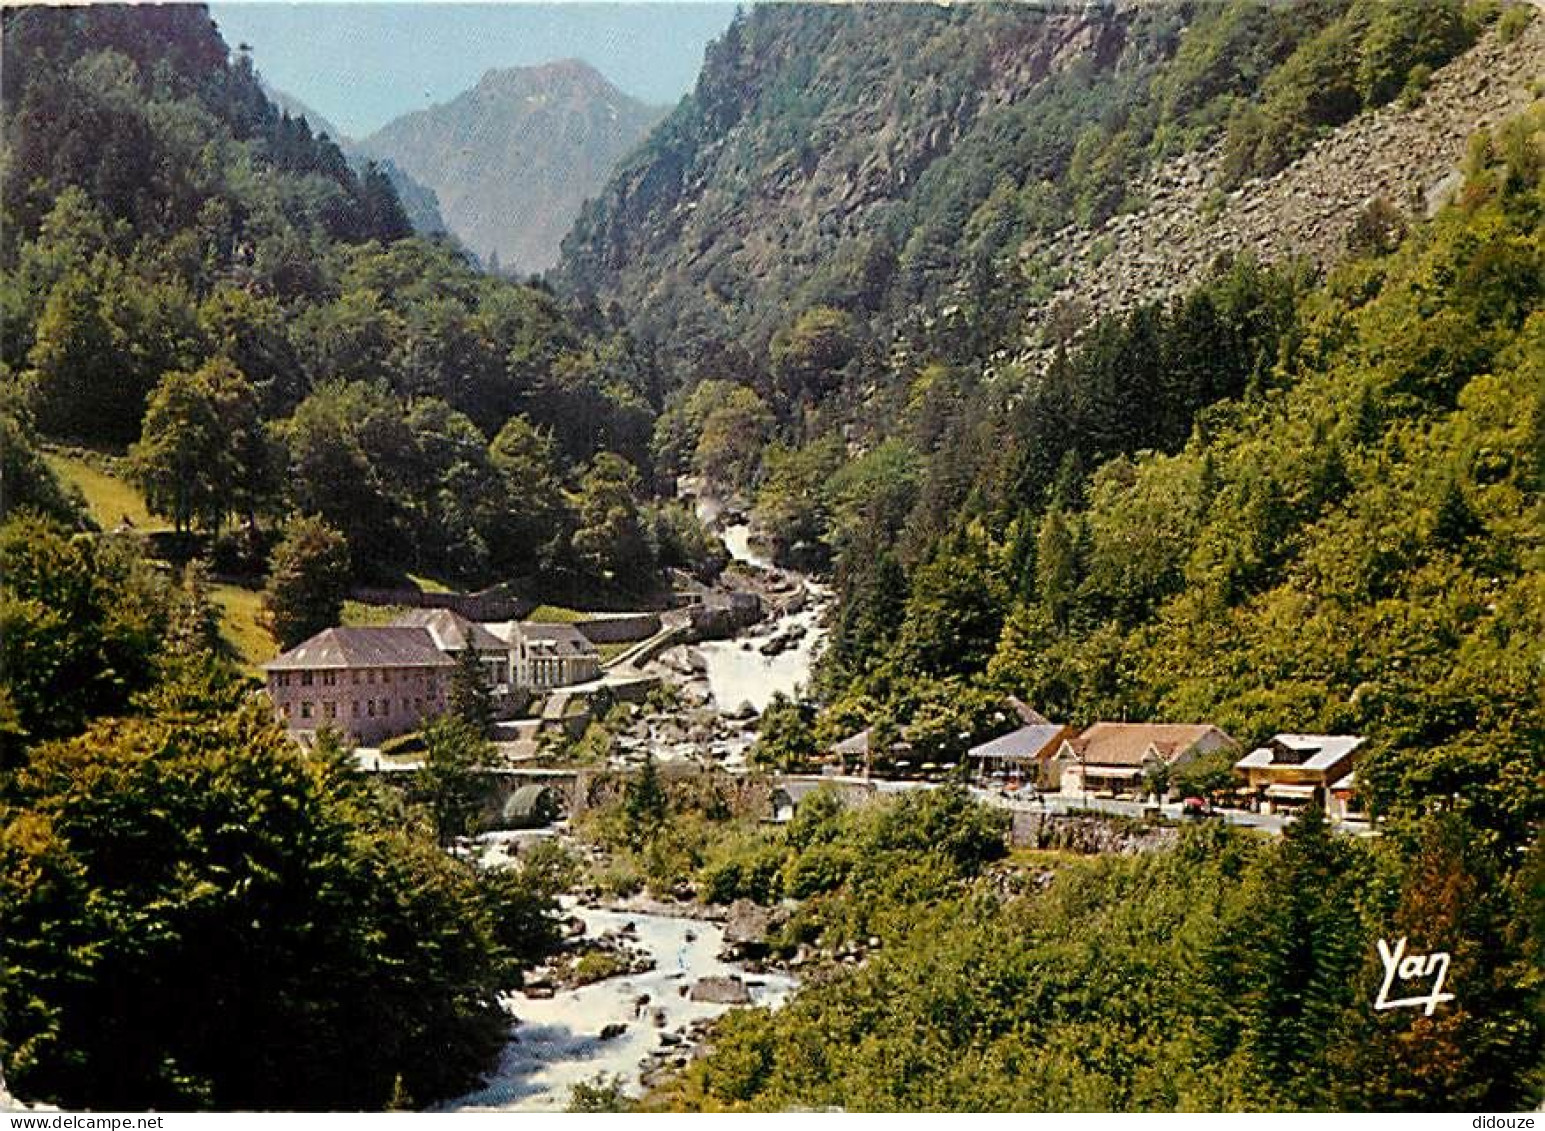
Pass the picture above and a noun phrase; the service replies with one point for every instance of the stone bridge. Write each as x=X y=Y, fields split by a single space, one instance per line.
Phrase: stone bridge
x=575 y=789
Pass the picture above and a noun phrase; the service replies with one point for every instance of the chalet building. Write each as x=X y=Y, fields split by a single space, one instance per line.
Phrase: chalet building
x=1025 y=754
x=544 y=656
x=454 y=633
x=1293 y=770
x=367 y=683
x=1112 y=759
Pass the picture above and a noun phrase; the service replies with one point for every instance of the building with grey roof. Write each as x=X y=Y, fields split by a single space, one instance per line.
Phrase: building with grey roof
x=1293 y=770
x=454 y=633
x=366 y=683
x=547 y=655
x=1024 y=753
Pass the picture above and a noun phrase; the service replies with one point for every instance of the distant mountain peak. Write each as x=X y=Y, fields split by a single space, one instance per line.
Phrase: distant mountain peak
x=512 y=158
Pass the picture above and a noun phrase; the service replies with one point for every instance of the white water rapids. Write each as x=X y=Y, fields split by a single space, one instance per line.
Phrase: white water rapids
x=737 y=671
x=556 y=1043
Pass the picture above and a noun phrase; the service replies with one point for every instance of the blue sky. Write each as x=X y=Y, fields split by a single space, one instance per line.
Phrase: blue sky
x=362 y=64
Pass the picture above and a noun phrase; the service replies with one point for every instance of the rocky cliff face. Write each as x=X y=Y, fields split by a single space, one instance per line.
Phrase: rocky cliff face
x=1408 y=156
x=796 y=170
x=919 y=165
x=512 y=159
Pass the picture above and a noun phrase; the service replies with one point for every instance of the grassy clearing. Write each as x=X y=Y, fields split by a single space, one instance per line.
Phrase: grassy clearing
x=359 y=615
x=240 y=624
x=555 y=614
x=109 y=498
x=429 y=584
x=609 y=651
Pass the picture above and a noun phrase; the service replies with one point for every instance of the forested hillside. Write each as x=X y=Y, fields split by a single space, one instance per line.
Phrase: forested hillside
x=190 y=274
x=418 y=202
x=196 y=913
x=1281 y=502
x=873 y=158
x=1260 y=502
x=1275 y=505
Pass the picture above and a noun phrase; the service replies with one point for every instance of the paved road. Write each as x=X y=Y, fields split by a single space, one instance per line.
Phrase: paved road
x=1053 y=804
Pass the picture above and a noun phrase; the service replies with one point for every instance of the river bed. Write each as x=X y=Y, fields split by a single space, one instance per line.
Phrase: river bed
x=556 y=1042
x=737 y=670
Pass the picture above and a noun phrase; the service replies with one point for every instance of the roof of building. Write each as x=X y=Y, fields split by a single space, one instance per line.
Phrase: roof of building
x=379 y=646
x=853 y=744
x=1026 y=742
x=556 y=639
x=1127 y=744
x=1309 y=751
x=451 y=631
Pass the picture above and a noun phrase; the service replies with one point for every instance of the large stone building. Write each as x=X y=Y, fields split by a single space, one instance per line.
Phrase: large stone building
x=367 y=683
x=454 y=633
x=375 y=682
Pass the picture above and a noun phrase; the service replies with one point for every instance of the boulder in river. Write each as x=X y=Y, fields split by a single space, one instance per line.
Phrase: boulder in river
x=613 y=1031
x=721 y=990
x=746 y=929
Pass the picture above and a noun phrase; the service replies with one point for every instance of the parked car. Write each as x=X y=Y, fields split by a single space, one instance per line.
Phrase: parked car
x=1197 y=808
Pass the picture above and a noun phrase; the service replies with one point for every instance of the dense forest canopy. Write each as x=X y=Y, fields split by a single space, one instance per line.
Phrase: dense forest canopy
x=1274 y=504
x=166 y=223
x=1286 y=500
x=891 y=161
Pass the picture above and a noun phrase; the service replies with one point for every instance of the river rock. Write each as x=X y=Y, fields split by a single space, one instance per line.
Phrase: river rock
x=744 y=712
x=745 y=931
x=613 y=1031
x=721 y=990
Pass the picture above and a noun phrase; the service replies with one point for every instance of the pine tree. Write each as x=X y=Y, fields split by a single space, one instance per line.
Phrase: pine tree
x=471 y=699
x=646 y=805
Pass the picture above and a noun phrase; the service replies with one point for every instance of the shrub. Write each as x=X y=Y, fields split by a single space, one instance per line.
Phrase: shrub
x=820 y=868
x=1513 y=22
x=748 y=870
x=598 y=965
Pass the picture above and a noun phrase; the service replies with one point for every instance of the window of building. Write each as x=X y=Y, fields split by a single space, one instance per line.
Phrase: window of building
x=370 y=676
x=386 y=706
x=329 y=679
x=305 y=679
x=356 y=708
x=286 y=710
x=386 y=676
x=305 y=708
x=329 y=710
x=356 y=678
x=370 y=708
